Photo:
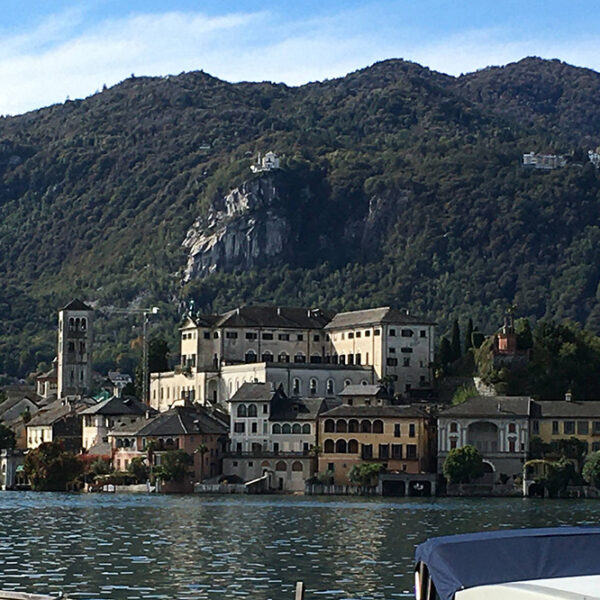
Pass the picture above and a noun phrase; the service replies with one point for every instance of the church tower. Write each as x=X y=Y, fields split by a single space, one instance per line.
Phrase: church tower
x=75 y=339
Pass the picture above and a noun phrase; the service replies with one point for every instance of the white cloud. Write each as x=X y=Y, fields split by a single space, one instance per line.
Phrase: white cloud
x=66 y=56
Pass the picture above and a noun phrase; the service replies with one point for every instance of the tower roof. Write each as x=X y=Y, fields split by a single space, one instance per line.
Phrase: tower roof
x=77 y=304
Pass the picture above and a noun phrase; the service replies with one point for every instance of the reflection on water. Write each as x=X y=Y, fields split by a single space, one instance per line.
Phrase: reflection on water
x=121 y=547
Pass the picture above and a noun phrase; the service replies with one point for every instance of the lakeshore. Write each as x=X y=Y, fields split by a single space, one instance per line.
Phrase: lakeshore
x=117 y=547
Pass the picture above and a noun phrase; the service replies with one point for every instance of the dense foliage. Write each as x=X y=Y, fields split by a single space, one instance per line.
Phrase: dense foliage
x=365 y=474
x=463 y=465
x=96 y=197
x=591 y=469
x=174 y=466
x=7 y=438
x=49 y=468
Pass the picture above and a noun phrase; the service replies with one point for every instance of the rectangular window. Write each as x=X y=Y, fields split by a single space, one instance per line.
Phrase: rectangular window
x=316 y=338
x=406 y=362
x=411 y=430
x=384 y=451
x=358 y=334
x=358 y=358
x=407 y=333
x=377 y=332
x=232 y=335
x=397 y=451
x=265 y=409
x=423 y=333
x=535 y=428
x=276 y=447
x=300 y=337
x=350 y=359
x=368 y=333
x=216 y=335
x=251 y=335
x=331 y=467
x=595 y=446
x=71 y=346
x=392 y=362
x=267 y=336
x=350 y=335
x=392 y=332
x=397 y=430
x=254 y=427
x=582 y=427
x=596 y=426
x=569 y=427
x=406 y=350
x=554 y=427
x=411 y=451
x=392 y=350
x=284 y=337
x=342 y=359
x=239 y=427
x=207 y=335
x=367 y=451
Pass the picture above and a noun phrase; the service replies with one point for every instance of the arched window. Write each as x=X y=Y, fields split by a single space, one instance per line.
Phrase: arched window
x=297 y=466
x=365 y=426
x=237 y=385
x=280 y=466
x=340 y=447
x=316 y=358
x=453 y=427
x=353 y=426
x=77 y=322
x=241 y=411
x=299 y=358
x=330 y=387
x=170 y=443
x=306 y=428
x=252 y=410
x=119 y=443
x=296 y=428
x=250 y=356
x=267 y=356
x=378 y=426
x=512 y=428
x=364 y=382
x=286 y=428
x=71 y=324
x=313 y=386
x=347 y=382
x=341 y=426
x=265 y=464
x=329 y=447
x=283 y=357
x=352 y=447
x=277 y=429
x=83 y=324
x=296 y=386
x=329 y=425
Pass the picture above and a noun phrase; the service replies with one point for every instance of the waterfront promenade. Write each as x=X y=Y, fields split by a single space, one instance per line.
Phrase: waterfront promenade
x=201 y=547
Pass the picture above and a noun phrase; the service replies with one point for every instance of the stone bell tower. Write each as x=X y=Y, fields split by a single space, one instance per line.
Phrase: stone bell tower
x=75 y=339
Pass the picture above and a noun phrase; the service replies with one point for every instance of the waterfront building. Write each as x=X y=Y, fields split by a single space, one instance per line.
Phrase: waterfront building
x=273 y=433
x=498 y=426
x=198 y=431
x=309 y=352
x=75 y=339
x=14 y=413
x=100 y=418
x=397 y=437
x=59 y=420
x=11 y=469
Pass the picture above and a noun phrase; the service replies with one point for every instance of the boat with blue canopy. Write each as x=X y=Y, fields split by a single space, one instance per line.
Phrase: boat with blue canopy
x=519 y=564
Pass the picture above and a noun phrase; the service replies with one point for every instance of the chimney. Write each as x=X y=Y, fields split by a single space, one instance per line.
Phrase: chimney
x=568 y=397
x=278 y=311
x=499 y=407
x=147 y=415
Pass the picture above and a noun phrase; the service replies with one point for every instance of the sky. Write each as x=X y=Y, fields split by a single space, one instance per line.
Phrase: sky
x=52 y=50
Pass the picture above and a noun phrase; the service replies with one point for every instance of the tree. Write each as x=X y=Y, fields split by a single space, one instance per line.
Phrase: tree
x=365 y=474
x=202 y=449
x=100 y=466
x=455 y=341
x=158 y=362
x=463 y=465
x=174 y=465
x=444 y=353
x=469 y=335
x=524 y=334
x=591 y=469
x=139 y=469
x=7 y=438
x=49 y=468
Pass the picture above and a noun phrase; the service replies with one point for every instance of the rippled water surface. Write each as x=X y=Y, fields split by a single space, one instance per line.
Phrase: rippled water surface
x=122 y=546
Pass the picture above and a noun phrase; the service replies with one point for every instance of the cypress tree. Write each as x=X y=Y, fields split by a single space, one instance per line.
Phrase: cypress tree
x=445 y=352
x=455 y=343
x=468 y=335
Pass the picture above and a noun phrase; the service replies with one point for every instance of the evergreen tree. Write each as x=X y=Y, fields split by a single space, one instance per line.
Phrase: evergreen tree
x=455 y=343
x=445 y=352
x=469 y=335
x=524 y=335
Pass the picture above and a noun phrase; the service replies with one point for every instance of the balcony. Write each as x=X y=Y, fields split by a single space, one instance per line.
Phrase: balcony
x=267 y=454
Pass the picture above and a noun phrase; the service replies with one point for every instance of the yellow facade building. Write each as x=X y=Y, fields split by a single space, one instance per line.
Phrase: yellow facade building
x=399 y=437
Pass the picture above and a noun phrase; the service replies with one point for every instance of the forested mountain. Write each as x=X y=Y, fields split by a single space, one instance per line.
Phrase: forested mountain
x=400 y=186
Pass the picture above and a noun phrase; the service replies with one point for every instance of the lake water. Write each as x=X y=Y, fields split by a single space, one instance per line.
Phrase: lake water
x=196 y=547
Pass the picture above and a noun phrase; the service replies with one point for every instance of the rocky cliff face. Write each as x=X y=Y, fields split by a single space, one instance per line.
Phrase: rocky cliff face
x=245 y=229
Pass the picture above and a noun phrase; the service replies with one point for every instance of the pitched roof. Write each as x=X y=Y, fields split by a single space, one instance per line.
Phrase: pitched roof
x=363 y=390
x=77 y=304
x=494 y=407
x=283 y=317
x=374 y=316
x=300 y=409
x=561 y=408
x=53 y=413
x=13 y=408
x=118 y=406
x=253 y=391
x=183 y=420
x=391 y=412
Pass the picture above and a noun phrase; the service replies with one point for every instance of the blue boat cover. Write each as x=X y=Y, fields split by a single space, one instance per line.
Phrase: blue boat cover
x=458 y=562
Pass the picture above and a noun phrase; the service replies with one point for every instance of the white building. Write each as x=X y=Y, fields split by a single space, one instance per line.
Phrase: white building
x=544 y=161
x=268 y=162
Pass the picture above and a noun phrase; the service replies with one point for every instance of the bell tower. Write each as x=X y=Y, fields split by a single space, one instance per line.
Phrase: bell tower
x=75 y=339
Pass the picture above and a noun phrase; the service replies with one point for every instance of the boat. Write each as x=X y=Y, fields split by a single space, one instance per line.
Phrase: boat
x=515 y=564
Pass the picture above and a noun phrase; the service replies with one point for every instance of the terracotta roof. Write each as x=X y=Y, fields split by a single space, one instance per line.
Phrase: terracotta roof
x=374 y=316
x=491 y=407
x=77 y=304
x=390 y=412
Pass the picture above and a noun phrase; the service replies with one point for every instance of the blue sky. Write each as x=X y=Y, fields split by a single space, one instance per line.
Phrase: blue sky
x=54 y=49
